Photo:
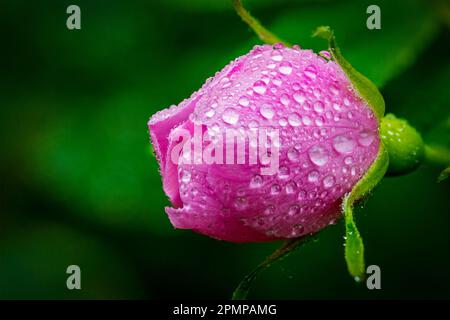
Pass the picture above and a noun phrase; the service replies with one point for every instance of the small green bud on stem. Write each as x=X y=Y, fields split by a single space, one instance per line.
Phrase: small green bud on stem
x=404 y=144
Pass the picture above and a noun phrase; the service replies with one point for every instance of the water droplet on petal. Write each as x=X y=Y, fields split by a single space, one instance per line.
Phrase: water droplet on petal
x=294 y=120
x=292 y=154
x=301 y=195
x=291 y=187
x=297 y=230
x=318 y=155
x=348 y=160
x=260 y=87
x=243 y=101
x=318 y=106
x=307 y=120
x=285 y=68
x=253 y=124
x=310 y=72
x=299 y=97
x=285 y=99
x=334 y=90
x=210 y=113
x=256 y=181
x=282 y=122
x=293 y=210
x=328 y=181
x=277 y=81
x=276 y=55
x=319 y=121
x=343 y=144
x=230 y=116
x=185 y=176
x=366 y=138
x=283 y=172
x=267 y=111
x=275 y=189
x=241 y=203
x=313 y=176
x=346 y=102
x=269 y=210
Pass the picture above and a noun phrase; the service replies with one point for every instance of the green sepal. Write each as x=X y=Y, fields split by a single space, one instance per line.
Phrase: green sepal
x=366 y=89
x=354 y=246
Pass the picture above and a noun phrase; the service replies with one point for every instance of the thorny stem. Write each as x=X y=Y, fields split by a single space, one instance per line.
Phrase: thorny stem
x=265 y=35
x=243 y=289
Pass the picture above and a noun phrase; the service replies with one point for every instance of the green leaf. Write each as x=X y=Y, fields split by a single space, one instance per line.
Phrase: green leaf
x=367 y=90
x=288 y=247
x=354 y=247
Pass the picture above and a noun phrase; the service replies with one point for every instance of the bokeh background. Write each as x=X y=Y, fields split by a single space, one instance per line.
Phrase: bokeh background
x=79 y=183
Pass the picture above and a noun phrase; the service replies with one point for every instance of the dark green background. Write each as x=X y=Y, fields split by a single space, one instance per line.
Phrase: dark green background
x=81 y=186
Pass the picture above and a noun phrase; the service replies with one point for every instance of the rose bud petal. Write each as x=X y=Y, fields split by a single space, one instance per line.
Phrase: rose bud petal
x=322 y=135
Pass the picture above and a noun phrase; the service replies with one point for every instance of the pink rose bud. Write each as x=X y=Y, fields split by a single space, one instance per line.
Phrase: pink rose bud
x=266 y=149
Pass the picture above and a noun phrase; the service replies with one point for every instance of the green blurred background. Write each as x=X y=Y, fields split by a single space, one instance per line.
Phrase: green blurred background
x=80 y=184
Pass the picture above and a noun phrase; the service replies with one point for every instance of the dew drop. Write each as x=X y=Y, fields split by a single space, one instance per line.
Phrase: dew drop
x=256 y=181
x=275 y=189
x=230 y=116
x=285 y=100
x=277 y=81
x=241 y=203
x=301 y=195
x=269 y=210
x=319 y=121
x=260 y=87
x=292 y=154
x=276 y=56
x=313 y=195
x=310 y=72
x=210 y=113
x=253 y=124
x=243 y=101
x=299 y=97
x=343 y=144
x=348 y=160
x=328 y=181
x=267 y=111
x=318 y=106
x=283 y=172
x=366 y=138
x=185 y=176
x=294 y=120
x=313 y=176
x=285 y=68
x=291 y=187
x=337 y=107
x=297 y=229
x=318 y=155
x=346 y=102
x=334 y=90
x=307 y=121
x=293 y=210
